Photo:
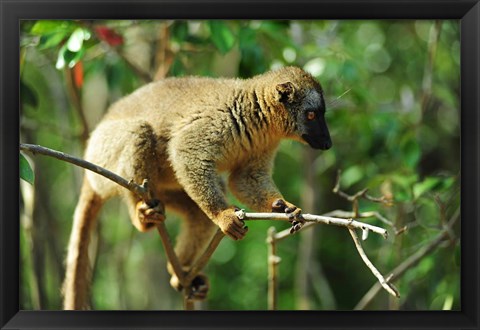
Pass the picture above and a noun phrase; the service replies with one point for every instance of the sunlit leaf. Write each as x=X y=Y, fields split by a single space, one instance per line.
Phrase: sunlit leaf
x=52 y=39
x=49 y=26
x=351 y=176
x=68 y=58
x=26 y=172
x=222 y=36
x=75 y=42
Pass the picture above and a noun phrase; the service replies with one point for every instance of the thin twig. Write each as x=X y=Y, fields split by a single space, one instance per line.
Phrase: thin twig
x=410 y=262
x=170 y=252
x=273 y=261
x=202 y=261
x=360 y=194
x=349 y=223
x=341 y=214
x=361 y=215
x=140 y=190
x=189 y=303
x=387 y=286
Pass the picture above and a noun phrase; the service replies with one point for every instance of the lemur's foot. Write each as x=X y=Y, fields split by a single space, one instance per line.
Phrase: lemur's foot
x=294 y=214
x=150 y=213
x=198 y=288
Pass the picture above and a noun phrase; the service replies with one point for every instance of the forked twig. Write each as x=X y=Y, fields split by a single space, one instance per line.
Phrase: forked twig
x=410 y=262
x=387 y=286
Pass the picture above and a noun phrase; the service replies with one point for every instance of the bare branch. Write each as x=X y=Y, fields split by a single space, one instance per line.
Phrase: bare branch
x=337 y=214
x=349 y=223
x=140 y=190
x=202 y=261
x=410 y=262
x=360 y=194
x=143 y=192
x=170 y=252
x=387 y=286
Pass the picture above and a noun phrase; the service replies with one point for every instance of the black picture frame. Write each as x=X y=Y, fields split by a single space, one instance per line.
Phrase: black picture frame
x=12 y=11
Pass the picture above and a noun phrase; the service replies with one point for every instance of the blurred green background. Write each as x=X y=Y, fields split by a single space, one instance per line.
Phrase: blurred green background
x=392 y=91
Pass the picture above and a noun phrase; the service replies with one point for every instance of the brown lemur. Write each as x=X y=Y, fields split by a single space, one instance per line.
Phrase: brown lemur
x=181 y=134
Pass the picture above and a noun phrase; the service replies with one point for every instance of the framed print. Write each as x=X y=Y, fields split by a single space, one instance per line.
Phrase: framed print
x=274 y=164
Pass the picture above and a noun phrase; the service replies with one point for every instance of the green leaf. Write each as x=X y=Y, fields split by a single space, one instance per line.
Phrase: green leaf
x=46 y=26
x=351 y=176
x=222 y=36
x=411 y=152
x=180 y=31
x=50 y=40
x=402 y=186
x=68 y=58
x=26 y=172
x=426 y=185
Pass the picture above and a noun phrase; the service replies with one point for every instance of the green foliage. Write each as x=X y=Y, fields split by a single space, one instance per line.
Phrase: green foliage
x=26 y=172
x=392 y=94
x=222 y=36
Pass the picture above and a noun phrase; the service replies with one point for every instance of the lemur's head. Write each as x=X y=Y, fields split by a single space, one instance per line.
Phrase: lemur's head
x=302 y=97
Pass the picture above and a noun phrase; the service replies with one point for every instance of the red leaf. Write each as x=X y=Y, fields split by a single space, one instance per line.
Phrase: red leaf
x=109 y=36
x=78 y=74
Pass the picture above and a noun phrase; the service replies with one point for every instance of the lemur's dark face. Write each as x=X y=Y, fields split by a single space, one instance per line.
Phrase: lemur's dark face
x=311 y=121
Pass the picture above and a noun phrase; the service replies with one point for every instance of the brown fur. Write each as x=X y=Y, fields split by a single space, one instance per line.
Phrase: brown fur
x=180 y=134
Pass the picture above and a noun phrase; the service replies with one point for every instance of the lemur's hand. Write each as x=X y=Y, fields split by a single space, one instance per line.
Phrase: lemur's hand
x=231 y=225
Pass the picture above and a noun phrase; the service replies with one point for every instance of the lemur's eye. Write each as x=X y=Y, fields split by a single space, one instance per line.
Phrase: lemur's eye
x=310 y=115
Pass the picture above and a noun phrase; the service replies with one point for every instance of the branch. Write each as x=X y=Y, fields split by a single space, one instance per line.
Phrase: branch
x=361 y=194
x=140 y=190
x=273 y=261
x=411 y=262
x=143 y=192
x=315 y=219
x=349 y=223
x=387 y=286
x=202 y=261
x=170 y=252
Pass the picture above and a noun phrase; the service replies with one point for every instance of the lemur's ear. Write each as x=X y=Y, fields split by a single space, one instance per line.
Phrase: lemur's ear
x=286 y=92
